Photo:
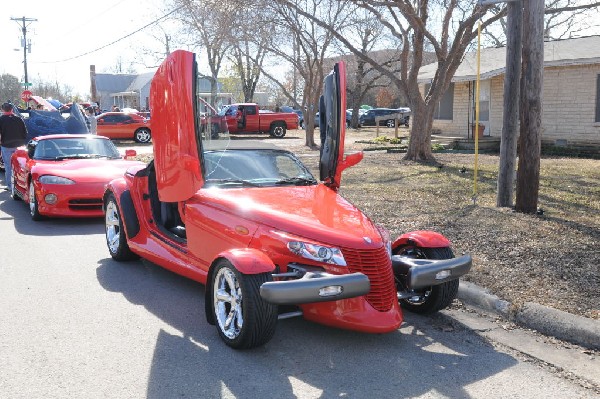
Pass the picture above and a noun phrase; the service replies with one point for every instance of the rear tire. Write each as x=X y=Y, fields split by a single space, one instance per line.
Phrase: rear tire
x=437 y=297
x=116 y=239
x=243 y=319
x=142 y=135
x=390 y=123
x=278 y=130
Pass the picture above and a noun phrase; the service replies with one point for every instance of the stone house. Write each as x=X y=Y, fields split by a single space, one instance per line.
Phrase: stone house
x=571 y=93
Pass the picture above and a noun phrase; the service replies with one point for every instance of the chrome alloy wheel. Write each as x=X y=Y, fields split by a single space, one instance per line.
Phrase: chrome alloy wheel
x=32 y=204
x=143 y=136
x=113 y=229
x=227 y=299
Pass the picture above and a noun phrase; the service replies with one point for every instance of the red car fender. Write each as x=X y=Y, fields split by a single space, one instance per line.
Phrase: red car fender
x=116 y=187
x=249 y=260
x=421 y=238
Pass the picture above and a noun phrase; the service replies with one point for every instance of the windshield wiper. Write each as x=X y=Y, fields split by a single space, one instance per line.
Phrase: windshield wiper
x=298 y=181
x=238 y=182
x=80 y=156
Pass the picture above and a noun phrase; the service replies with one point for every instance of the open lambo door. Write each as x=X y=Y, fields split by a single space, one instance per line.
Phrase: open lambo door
x=332 y=114
x=175 y=128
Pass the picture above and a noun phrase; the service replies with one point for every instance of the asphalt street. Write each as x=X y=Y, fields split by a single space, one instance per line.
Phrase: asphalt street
x=76 y=324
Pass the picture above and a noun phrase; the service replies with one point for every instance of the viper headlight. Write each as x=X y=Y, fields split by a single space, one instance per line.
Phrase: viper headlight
x=319 y=253
x=49 y=179
x=385 y=236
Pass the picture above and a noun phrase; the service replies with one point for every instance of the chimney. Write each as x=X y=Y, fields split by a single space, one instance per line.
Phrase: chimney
x=93 y=92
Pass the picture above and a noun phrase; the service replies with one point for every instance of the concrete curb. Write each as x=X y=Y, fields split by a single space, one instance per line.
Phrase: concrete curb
x=556 y=323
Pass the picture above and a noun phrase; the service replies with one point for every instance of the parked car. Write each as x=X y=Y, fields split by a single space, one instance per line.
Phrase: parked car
x=348 y=119
x=247 y=118
x=268 y=240
x=64 y=175
x=121 y=125
x=368 y=118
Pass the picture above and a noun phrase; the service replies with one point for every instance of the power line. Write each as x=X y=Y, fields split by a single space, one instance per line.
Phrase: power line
x=113 y=42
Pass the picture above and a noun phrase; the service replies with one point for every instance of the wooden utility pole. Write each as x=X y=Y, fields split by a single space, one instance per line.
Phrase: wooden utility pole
x=23 y=22
x=510 y=119
x=528 y=174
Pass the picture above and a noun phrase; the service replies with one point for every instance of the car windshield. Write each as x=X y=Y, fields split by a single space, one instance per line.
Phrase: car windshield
x=254 y=167
x=73 y=148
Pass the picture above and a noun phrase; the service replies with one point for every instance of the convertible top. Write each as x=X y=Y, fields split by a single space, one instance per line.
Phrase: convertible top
x=43 y=123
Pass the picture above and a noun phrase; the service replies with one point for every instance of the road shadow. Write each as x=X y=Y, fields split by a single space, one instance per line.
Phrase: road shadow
x=18 y=212
x=422 y=357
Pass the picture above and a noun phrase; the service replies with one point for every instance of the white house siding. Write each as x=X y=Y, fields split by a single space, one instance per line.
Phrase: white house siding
x=569 y=106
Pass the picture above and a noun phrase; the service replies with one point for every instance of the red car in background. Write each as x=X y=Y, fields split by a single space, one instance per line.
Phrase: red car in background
x=267 y=239
x=121 y=125
x=64 y=175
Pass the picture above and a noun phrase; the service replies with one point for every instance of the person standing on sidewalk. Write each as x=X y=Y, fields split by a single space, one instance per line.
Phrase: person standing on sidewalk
x=13 y=134
x=92 y=122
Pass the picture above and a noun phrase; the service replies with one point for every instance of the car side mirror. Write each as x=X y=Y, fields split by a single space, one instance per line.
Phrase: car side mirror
x=30 y=150
x=130 y=153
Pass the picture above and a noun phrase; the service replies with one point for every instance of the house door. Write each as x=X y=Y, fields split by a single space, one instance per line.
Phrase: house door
x=484 y=105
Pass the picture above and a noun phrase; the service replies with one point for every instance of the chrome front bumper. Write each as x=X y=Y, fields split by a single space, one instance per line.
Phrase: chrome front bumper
x=422 y=273
x=315 y=287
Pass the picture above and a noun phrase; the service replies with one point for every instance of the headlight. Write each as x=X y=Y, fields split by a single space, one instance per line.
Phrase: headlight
x=49 y=179
x=385 y=236
x=319 y=253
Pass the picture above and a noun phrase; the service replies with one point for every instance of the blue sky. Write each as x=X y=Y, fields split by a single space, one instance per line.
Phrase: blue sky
x=62 y=32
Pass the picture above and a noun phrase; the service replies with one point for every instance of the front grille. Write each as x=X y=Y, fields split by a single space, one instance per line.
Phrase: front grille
x=85 y=204
x=376 y=265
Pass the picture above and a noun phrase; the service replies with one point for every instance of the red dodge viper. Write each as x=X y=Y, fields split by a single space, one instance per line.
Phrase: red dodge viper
x=65 y=174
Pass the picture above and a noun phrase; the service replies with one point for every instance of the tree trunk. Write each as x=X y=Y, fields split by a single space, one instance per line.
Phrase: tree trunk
x=510 y=121
x=309 y=128
x=419 y=147
x=528 y=175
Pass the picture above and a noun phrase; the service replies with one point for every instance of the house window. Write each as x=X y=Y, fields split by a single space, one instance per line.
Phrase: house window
x=598 y=99
x=444 y=109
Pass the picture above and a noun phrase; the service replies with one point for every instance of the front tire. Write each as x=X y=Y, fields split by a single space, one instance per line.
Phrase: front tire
x=115 y=233
x=243 y=319
x=34 y=209
x=390 y=123
x=142 y=135
x=437 y=297
x=13 y=191
x=278 y=130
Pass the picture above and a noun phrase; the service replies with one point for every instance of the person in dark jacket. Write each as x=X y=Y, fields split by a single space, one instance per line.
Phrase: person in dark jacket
x=13 y=134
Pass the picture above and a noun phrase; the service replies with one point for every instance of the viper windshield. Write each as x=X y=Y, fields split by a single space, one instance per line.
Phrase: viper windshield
x=74 y=148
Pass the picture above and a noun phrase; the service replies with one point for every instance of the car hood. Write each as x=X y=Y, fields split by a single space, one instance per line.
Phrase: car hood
x=314 y=212
x=85 y=170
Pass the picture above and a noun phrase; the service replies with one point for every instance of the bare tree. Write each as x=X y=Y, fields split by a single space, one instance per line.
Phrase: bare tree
x=368 y=32
x=249 y=42
x=305 y=34
x=414 y=24
x=563 y=19
x=10 y=88
x=208 y=24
